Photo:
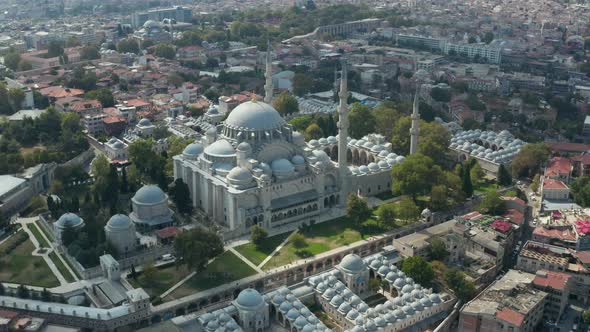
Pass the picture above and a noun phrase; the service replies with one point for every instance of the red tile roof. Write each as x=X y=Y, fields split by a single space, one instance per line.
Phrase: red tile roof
x=113 y=119
x=514 y=216
x=583 y=256
x=501 y=225
x=557 y=166
x=60 y=92
x=83 y=105
x=568 y=147
x=553 y=184
x=583 y=159
x=510 y=316
x=472 y=215
x=513 y=199
x=167 y=232
x=555 y=280
x=554 y=233
x=137 y=103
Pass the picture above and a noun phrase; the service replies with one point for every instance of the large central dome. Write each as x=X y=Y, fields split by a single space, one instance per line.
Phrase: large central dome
x=254 y=116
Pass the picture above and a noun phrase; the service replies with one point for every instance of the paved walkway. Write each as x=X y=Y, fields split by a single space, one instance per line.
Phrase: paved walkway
x=245 y=260
x=276 y=249
x=178 y=284
x=26 y=223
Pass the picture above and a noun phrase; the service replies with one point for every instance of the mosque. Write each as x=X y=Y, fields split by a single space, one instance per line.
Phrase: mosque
x=255 y=169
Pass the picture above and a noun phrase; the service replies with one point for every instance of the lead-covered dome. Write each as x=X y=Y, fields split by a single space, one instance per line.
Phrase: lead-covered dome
x=119 y=222
x=149 y=195
x=254 y=116
x=249 y=299
x=352 y=263
x=220 y=148
x=193 y=150
x=69 y=220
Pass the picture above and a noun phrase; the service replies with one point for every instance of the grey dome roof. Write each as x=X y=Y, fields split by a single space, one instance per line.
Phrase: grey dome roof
x=220 y=148
x=352 y=263
x=244 y=146
x=119 y=221
x=193 y=149
x=254 y=115
x=69 y=220
x=149 y=194
x=249 y=298
x=144 y=122
x=298 y=160
x=282 y=166
x=239 y=174
x=118 y=145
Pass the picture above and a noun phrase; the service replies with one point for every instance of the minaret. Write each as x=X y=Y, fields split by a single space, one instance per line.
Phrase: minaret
x=343 y=126
x=415 y=129
x=268 y=87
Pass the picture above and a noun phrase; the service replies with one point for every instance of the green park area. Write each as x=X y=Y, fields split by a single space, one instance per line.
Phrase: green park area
x=37 y=233
x=227 y=267
x=61 y=267
x=17 y=265
x=257 y=254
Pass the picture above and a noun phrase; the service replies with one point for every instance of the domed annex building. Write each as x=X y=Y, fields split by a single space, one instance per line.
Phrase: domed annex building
x=120 y=232
x=67 y=220
x=255 y=169
x=343 y=295
x=150 y=209
x=153 y=30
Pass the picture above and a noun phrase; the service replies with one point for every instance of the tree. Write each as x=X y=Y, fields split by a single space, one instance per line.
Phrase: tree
x=89 y=53
x=45 y=295
x=68 y=235
x=488 y=37
x=415 y=175
x=197 y=246
x=298 y=240
x=374 y=285
x=55 y=49
x=463 y=289
x=23 y=292
x=504 y=177
x=386 y=214
x=434 y=141
x=16 y=97
x=181 y=196
x=535 y=183
x=529 y=160
x=11 y=60
x=302 y=84
x=286 y=104
x=313 y=132
x=586 y=316
x=419 y=269
x=440 y=94
x=437 y=250
x=407 y=210
x=70 y=122
x=362 y=121
x=104 y=96
x=476 y=173
x=438 y=198
x=165 y=51
x=128 y=46
x=492 y=203
x=385 y=116
x=467 y=185
x=258 y=235
x=357 y=209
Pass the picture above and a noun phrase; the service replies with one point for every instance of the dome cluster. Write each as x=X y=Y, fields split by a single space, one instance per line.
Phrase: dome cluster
x=488 y=145
x=295 y=311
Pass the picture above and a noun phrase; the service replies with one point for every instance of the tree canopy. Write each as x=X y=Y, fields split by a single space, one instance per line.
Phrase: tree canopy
x=415 y=175
x=492 y=203
x=529 y=160
x=165 y=51
x=286 y=104
x=361 y=121
x=357 y=209
x=197 y=246
x=419 y=269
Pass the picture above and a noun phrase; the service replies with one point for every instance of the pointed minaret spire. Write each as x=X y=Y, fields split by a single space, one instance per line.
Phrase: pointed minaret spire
x=343 y=128
x=268 y=86
x=415 y=129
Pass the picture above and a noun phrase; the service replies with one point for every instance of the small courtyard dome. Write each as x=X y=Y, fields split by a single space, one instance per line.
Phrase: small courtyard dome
x=193 y=150
x=69 y=220
x=149 y=194
x=249 y=299
x=144 y=122
x=352 y=263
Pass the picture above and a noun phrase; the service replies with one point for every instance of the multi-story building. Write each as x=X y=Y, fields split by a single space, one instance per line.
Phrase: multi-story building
x=510 y=304
x=180 y=14
x=94 y=124
x=558 y=286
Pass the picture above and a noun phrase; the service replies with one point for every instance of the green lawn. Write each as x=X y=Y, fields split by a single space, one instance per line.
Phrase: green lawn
x=47 y=234
x=61 y=267
x=485 y=187
x=19 y=266
x=227 y=267
x=37 y=233
x=165 y=278
x=324 y=237
x=257 y=254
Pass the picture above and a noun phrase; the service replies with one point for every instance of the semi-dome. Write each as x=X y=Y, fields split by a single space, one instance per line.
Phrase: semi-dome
x=220 y=148
x=244 y=147
x=321 y=155
x=193 y=150
x=149 y=194
x=239 y=175
x=249 y=299
x=254 y=116
x=119 y=221
x=298 y=160
x=119 y=145
x=352 y=263
x=69 y=220
x=282 y=166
